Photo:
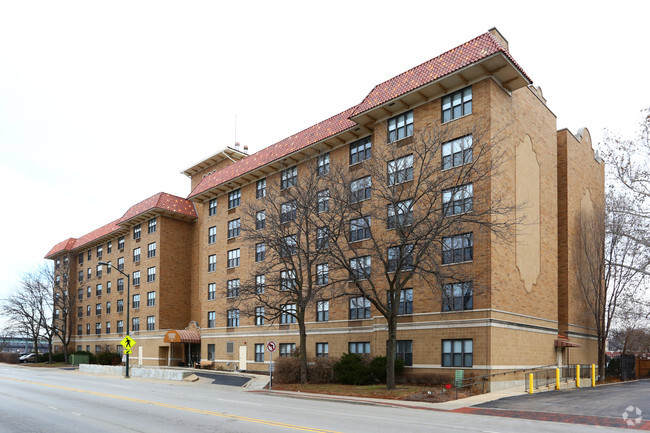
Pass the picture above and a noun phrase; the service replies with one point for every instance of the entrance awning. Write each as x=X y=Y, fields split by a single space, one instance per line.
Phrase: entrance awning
x=563 y=341
x=182 y=336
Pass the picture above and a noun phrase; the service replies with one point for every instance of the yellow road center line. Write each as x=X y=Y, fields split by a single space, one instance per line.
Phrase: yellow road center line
x=183 y=408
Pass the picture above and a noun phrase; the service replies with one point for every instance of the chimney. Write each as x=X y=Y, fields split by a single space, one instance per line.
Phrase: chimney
x=237 y=145
x=245 y=148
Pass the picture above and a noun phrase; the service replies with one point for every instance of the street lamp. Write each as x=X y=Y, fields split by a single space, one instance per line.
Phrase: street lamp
x=128 y=297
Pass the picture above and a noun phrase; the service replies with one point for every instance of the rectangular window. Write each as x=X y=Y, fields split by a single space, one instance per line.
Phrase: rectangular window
x=260 y=220
x=259 y=316
x=108 y=288
x=360 y=189
x=80 y=294
x=100 y=251
x=288 y=211
x=120 y=264
x=458 y=200
x=120 y=327
x=90 y=273
x=400 y=126
x=359 y=229
x=457 y=353
x=400 y=257
x=399 y=215
x=80 y=312
x=360 y=150
x=457 y=104
x=457 y=249
x=234 y=198
x=81 y=258
x=98 y=290
x=232 y=288
x=322 y=311
x=212 y=234
x=90 y=254
x=212 y=263
x=260 y=252
x=99 y=270
x=322 y=237
x=151 y=250
x=136 y=301
x=136 y=255
x=322 y=274
x=135 y=324
x=360 y=268
x=98 y=329
x=234 y=227
x=323 y=164
x=108 y=307
x=233 y=258
x=151 y=226
x=260 y=188
x=120 y=284
x=212 y=291
x=458 y=296
x=323 y=200
x=288 y=279
x=87 y=328
x=322 y=350
x=151 y=323
x=98 y=309
x=109 y=247
x=120 y=305
x=288 y=314
x=108 y=267
x=405 y=302
x=362 y=348
x=137 y=231
x=81 y=276
x=151 y=274
x=288 y=177
x=88 y=292
x=120 y=243
x=260 y=284
x=212 y=207
x=212 y=319
x=405 y=351
x=151 y=299
x=359 y=308
x=287 y=349
x=108 y=327
x=259 y=352
x=233 y=318
x=79 y=330
x=211 y=352
x=289 y=246
x=400 y=170
x=136 y=278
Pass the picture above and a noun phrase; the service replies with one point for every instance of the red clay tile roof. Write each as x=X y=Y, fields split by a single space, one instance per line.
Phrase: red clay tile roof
x=161 y=200
x=470 y=52
x=453 y=60
x=313 y=134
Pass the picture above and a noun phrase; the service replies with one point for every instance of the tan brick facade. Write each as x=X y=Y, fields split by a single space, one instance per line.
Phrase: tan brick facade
x=525 y=293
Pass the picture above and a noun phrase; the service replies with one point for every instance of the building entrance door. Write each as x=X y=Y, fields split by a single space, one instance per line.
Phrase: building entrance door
x=242 y=357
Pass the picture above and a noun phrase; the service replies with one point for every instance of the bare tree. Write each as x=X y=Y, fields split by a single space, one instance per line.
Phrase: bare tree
x=64 y=302
x=291 y=272
x=630 y=331
x=396 y=210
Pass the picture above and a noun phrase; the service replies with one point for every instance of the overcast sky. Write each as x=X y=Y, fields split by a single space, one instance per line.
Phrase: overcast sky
x=102 y=104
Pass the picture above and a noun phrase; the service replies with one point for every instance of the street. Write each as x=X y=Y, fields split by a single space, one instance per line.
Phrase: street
x=54 y=400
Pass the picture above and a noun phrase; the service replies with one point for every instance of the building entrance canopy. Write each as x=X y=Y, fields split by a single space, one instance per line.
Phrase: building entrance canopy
x=182 y=336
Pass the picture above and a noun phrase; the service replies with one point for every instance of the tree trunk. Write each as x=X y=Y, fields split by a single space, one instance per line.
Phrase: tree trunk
x=601 y=360
x=303 y=349
x=390 y=353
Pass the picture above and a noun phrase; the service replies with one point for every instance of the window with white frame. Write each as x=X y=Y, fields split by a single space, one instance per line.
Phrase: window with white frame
x=151 y=226
x=120 y=284
x=90 y=273
x=322 y=350
x=151 y=323
x=359 y=229
x=108 y=288
x=232 y=288
x=323 y=200
x=81 y=276
x=260 y=220
x=135 y=324
x=120 y=264
x=90 y=254
x=212 y=234
x=120 y=305
x=458 y=296
x=89 y=292
x=233 y=258
x=108 y=307
x=98 y=328
x=458 y=200
x=457 y=353
x=260 y=252
x=400 y=170
x=322 y=238
x=98 y=309
x=289 y=246
x=108 y=327
x=212 y=291
x=404 y=351
x=87 y=328
x=137 y=231
x=234 y=227
x=233 y=318
x=288 y=177
x=98 y=290
x=360 y=268
x=287 y=349
x=322 y=311
x=400 y=257
x=151 y=274
x=212 y=319
x=457 y=104
x=288 y=313
x=260 y=188
x=359 y=308
x=100 y=251
x=109 y=247
x=136 y=255
x=211 y=348
x=323 y=164
x=458 y=248
x=361 y=347
x=287 y=279
x=288 y=211
x=457 y=152
x=259 y=316
x=151 y=299
x=136 y=278
x=99 y=270
x=360 y=150
x=120 y=243
x=120 y=327
x=234 y=198
x=400 y=214
x=151 y=250
x=212 y=207
x=136 y=301
x=260 y=284
x=259 y=352
x=322 y=274
x=400 y=126
x=360 y=189
x=212 y=262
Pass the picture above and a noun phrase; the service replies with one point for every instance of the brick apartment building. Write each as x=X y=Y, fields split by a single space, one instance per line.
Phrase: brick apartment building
x=187 y=256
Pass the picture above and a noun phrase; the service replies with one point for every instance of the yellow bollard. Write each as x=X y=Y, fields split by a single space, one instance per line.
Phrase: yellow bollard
x=557 y=378
x=593 y=375
x=577 y=376
x=530 y=383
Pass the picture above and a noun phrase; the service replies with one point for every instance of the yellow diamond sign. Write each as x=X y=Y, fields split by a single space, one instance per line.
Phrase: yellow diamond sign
x=127 y=351
x=128 y=343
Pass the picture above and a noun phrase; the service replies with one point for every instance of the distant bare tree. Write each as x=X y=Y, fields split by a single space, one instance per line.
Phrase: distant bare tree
x=64 y=302
x=397 y=210
x=291 y=273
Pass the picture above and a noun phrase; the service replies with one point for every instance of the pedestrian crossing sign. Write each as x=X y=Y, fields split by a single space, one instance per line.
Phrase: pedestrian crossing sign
x=128 y=343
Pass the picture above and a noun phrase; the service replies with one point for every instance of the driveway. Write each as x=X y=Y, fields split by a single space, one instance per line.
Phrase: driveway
x=224 y=379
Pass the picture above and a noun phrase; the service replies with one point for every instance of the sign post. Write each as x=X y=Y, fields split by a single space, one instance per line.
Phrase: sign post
x=271 y=346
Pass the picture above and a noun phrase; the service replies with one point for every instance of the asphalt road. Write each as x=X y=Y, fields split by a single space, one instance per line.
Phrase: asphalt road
x=47 y=400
